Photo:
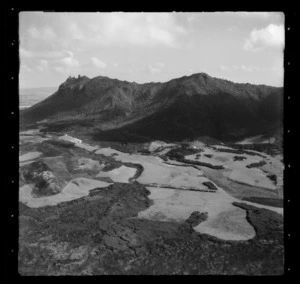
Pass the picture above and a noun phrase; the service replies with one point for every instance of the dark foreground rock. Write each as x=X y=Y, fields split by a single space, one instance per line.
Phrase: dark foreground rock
x=100 y=234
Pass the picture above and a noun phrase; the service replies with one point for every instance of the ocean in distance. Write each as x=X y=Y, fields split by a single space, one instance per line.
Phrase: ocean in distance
x=31 y=96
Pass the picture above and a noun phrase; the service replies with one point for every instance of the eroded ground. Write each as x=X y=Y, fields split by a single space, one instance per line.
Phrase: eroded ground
x=89 y=209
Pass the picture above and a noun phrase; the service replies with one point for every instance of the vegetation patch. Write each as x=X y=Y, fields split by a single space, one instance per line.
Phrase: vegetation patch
x=270 y=149
x=179 y=154
x=274 y=202
x=48 y=149
x=210 y=185
x=196 y=218
x=268 y=225
x=256 y=165
x=97 y=235
x=239 y=158
x=215 y=167
x=273 y=178
x=207 y=155
x=61 y=143
x=45 y=183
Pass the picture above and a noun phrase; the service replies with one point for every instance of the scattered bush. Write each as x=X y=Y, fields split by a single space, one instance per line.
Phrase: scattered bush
x=61 y=143
x=255 y=165
x=210 y=185
x=180 y=153
x=274 y=202
x=196 y=218
x=239 y=158
x=273 y=178
x=270 y=149
x=215 y=167
x=208 y=155
x=144 y=152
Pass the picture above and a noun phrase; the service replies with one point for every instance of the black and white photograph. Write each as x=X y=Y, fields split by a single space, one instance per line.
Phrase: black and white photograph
x=151 y=143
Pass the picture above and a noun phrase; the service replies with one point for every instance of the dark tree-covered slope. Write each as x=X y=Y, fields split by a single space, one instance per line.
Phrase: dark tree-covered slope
x=186 y=107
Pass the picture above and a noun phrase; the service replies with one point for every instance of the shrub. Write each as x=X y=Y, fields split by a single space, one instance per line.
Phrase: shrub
x=255 y=165
x=61 y=143
x=239 y=158
x=210 y=185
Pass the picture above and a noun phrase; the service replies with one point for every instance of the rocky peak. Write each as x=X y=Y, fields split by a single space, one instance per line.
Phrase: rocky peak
x=73 y=82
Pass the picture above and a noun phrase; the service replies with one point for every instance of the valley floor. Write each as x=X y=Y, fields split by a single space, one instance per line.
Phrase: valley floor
x=91 y=209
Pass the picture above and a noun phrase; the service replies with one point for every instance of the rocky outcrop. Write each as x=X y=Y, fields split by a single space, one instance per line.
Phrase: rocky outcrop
x=44 y=181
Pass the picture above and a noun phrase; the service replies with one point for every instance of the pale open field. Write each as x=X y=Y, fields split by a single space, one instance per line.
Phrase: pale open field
x=238 y=171
x=156 y=172
x=176 y=205
x=256 y=139
x=121 y=174
x=159 y=144
x=29 y=156
x=75 y=189
x=169 y=186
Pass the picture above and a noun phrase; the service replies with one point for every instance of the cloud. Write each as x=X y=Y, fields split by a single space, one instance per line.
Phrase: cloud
x=156 y=68
x=25 y=68
x=160 y=64
x=261 y=15
x=272 y=35
x=245 y=68
x=76 y=33
x=141 y=29
x=153 y=69
x=233 y=28
x=264 y=15
x=61 y=69
x=278 y=69
x=43 y=65
x=67 y=64
x=98 y=63
x=45 y=54
x=249 y=68
x=45 y=33
x=70 y=61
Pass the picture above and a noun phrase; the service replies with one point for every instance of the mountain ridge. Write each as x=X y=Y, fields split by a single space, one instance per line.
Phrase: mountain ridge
x=184 y=103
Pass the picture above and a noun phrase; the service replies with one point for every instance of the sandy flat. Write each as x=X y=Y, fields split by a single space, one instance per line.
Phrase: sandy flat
x=87 y=147
x=256 y=140
x=108 y=152
x=121 y=174
x=75 y=189
x=30 y=132
x=225 y=220
x=237 y=170
x=157 y=144
x=29 y=156
x=176 y=205
x=222 y=147
x=89 y=164
x=253 y=177
x=31 y=138
x=155 y=171
x=228 y=225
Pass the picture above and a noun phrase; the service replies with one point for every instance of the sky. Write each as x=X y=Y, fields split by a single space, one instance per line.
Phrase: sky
x=243 y=47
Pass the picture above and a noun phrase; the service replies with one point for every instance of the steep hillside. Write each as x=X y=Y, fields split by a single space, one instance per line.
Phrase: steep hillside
x=186 y=107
